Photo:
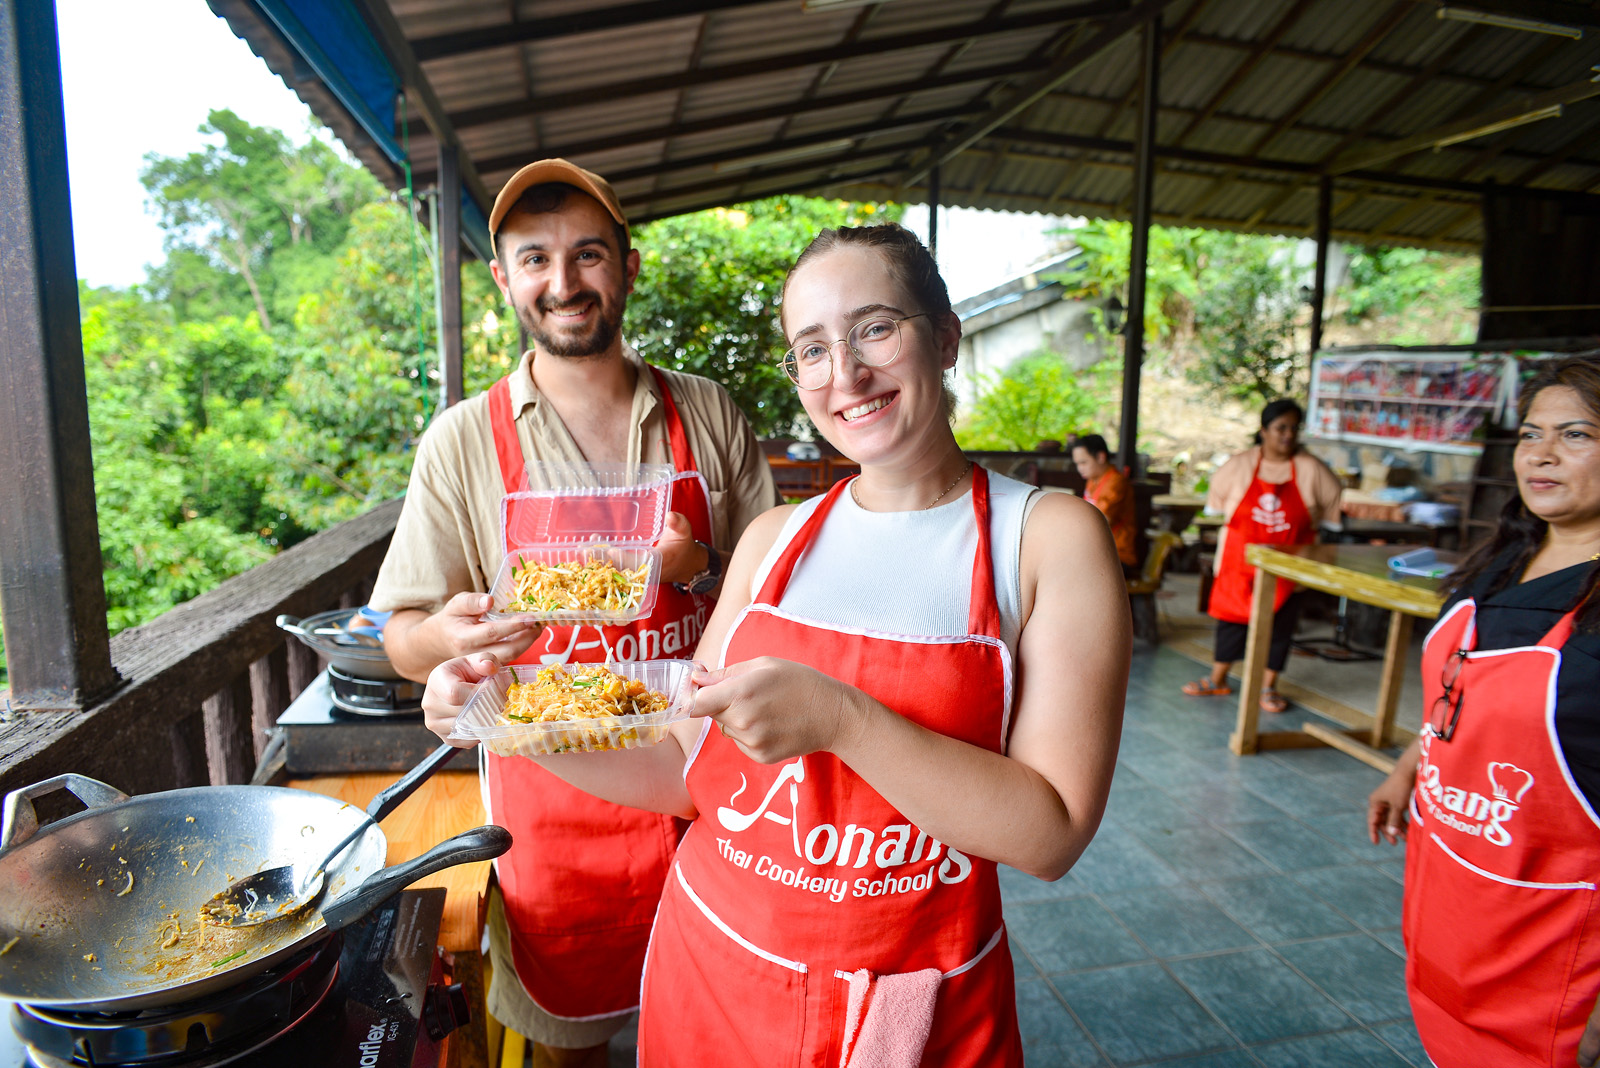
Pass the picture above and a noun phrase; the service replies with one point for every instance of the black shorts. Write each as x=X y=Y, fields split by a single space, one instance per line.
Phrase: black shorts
x=1231 y=636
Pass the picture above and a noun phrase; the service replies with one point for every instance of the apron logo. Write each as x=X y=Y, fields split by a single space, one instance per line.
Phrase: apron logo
x=1269 y=513
x=898 y=844
x=1471 y=812
x=648 y=643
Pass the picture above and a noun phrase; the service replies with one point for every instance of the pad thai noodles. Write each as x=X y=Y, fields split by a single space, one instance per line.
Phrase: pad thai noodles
x=592 y=585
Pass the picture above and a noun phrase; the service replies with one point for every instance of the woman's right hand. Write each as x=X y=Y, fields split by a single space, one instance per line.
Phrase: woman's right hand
x=1388 y=804
x=449 y=686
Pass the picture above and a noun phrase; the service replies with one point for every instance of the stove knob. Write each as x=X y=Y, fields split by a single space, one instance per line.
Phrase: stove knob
x=445 y=1009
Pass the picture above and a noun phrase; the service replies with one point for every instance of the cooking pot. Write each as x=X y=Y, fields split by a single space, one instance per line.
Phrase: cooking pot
x=355 y=650
x=85 y=901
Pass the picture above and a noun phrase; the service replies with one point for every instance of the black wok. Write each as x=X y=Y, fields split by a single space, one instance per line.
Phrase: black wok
x=64 y=888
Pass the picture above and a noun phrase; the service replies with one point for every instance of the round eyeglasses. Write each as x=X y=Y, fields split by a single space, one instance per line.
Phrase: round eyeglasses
x=874 y=342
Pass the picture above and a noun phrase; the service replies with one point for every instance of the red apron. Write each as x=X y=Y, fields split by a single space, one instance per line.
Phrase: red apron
x=582 y=882
x=1500 y=908
x=1272 y=513
x=794 y=877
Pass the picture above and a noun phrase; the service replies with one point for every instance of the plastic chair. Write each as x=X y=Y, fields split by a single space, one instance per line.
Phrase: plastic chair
x=1142 y=590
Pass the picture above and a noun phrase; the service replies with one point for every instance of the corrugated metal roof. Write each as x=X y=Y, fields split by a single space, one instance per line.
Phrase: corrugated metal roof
x=693 y=103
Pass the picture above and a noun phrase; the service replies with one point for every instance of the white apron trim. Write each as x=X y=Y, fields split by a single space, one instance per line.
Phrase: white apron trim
x=994 y=940
x=1465 y=863
x=782 y=962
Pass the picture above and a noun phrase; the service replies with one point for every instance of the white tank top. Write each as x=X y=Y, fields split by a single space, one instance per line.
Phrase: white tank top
x=906 y=572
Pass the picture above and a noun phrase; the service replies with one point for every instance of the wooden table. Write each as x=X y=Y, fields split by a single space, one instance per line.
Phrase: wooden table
x=1361 y=573
x=445 y=805
x=1175 y=511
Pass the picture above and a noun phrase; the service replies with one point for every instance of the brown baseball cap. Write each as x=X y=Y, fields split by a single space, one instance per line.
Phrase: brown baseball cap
x=554 y=170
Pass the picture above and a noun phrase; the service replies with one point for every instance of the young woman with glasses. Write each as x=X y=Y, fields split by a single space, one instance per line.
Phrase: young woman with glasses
x=918 y=676
x=1502 y=786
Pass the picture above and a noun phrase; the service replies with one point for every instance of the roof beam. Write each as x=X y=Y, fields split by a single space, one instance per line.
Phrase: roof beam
x=793 y=178
x=1246 y=68
x=768 y=148
x=1462 y=129
x=688 y=79
x=1563 y=11
x=587 y=19
x=1113 y=30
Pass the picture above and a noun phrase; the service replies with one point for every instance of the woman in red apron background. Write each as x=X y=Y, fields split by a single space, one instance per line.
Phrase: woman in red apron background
x=581 y=884
x=1261 y=511
x=1500 y=789
x=853 y=783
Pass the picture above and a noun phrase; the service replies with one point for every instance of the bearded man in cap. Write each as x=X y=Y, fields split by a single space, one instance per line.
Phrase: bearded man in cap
x=578 y=889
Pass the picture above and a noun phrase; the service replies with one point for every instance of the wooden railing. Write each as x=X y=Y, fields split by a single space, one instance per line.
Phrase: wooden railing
x=202 y=683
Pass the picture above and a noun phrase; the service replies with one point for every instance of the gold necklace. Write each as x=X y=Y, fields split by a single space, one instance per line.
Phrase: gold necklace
x=857 y=498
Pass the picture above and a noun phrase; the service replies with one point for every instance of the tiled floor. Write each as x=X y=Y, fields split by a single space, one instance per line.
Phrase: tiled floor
x=1230 y=912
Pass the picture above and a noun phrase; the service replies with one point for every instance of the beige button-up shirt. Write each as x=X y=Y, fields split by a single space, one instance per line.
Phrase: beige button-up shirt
x=448 y=539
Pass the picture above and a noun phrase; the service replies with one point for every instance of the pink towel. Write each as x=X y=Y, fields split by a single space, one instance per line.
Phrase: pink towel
x=888 y=1018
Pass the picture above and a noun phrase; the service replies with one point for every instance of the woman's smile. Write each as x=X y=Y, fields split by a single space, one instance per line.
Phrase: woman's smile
x=861 y=412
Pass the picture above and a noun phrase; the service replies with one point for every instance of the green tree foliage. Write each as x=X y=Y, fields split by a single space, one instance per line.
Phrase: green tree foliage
x=707 y=296
x=1036 y=399
x=1413 y=287
x=1245 y=316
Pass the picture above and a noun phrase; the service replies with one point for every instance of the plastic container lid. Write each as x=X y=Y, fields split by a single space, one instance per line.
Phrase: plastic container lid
x=480 y=718
x=618 y=504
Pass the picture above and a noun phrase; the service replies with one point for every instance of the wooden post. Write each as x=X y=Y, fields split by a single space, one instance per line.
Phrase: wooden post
x=1394 y=674
x=57 y=646
x=448 y=237
x=933 y=214
x=230 y=756
x=1259 y=641
x=1319 y=287
x=269 y=694
x=1144 y=170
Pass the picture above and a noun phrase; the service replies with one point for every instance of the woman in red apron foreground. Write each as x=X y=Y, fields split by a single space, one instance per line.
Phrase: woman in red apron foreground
x=894 y=711
x=1272 y=494
x=1502 y=784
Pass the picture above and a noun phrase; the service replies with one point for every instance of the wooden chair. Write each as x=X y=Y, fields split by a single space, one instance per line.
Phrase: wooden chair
x=1142 y=590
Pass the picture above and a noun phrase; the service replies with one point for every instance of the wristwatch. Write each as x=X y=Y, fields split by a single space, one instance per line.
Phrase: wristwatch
x=705 y=581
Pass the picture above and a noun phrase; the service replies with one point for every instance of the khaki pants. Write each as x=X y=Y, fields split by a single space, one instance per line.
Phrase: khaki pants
x=509 y=1003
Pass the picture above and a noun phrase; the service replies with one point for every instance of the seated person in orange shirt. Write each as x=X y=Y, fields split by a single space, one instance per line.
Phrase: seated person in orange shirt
x=1107 y=489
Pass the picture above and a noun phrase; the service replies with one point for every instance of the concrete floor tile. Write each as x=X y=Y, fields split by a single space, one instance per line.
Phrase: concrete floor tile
x=1138 y=1013
x=1347 y=1049
x=1359 y=972
x=1064 y=936
x=1177 y=920
x=1116 y=860
x=1049 y=1034
x=1202 y=853
x=1401 y=1036
x=1288 y=845
x=1362 y=892
x=1276 y=908
x=1258 y=997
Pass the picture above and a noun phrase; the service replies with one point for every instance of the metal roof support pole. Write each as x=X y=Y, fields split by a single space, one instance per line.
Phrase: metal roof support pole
x=50 y=566
x=1144 y=170
x=933 y=214
x=1319 y=287
x=448 y=235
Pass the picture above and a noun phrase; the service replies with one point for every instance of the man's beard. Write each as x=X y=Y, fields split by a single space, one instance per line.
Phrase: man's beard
x=595 y=343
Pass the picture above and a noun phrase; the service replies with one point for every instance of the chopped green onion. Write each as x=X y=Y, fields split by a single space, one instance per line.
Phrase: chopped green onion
x=230 y=957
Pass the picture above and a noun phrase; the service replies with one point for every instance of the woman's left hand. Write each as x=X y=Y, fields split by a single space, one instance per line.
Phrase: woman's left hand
x=1589 y=1044
x=776 y=709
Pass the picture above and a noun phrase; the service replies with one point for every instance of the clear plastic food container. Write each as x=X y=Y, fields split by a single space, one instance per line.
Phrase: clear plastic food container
x=609 y=512
x=480 y=719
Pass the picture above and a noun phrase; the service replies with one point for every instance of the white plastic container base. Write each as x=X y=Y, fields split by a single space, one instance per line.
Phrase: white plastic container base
x=480 y=719
x=623 y=558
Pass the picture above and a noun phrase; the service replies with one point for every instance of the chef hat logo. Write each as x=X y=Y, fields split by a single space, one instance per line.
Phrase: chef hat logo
x=1506 y=778
x=1269 y=502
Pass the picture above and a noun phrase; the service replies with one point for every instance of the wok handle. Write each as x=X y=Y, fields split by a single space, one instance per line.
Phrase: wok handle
x=390 y=799
x=21 y=820
x=292 y=625
x=480 y=843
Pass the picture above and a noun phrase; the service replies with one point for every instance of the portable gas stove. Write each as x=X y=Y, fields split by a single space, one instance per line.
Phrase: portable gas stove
x=373 y=996
x=342 y=724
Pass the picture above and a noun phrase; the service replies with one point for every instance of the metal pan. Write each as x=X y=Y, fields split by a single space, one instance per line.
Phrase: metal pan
x=64 y=893
x=327 y=634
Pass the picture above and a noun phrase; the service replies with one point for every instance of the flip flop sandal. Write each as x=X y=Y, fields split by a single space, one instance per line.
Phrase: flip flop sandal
x=1273 y=702
x=1203 y=688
